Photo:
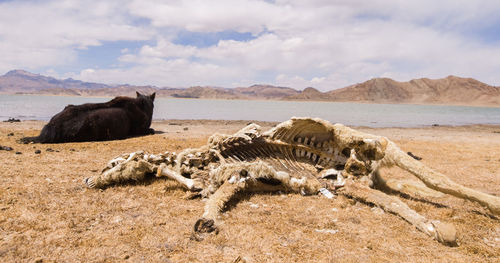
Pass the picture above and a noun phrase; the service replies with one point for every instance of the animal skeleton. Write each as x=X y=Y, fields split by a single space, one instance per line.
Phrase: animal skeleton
x=301 y=155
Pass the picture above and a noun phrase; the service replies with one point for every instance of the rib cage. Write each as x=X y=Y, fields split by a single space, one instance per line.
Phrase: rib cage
x=301 y=147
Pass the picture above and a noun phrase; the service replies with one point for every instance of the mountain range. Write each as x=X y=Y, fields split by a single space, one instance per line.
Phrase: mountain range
x=451 y=90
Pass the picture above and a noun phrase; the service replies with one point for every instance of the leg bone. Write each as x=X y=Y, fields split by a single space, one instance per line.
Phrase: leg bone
x=190 y=184
x=213 y=207
x=442 y=232
x=438 y=181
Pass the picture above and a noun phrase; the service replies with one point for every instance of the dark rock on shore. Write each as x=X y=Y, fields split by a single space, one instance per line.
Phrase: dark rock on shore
x=12 y=120
x=6 y=148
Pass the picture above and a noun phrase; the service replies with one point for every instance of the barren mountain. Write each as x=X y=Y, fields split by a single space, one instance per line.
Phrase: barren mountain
x=308 y=94
x=266 y=92
x=17 y=81
x=204 y=92
x=450 y=90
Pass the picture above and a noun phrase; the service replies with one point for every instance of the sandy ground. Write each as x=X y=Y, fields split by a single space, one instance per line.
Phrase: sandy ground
x=46 y=214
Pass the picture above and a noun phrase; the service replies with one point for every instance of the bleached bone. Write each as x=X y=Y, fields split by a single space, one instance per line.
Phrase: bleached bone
x=190 y=184
x=442 y=232
x=301 y=155
x=438 y=181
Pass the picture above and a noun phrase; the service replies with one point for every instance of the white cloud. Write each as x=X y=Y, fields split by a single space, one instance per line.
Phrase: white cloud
x=207 y=16
x=321 y=43
x=171 y=73
x=39 y=33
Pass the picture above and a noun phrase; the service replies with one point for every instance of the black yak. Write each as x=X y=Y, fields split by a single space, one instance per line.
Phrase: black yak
x=118 y=118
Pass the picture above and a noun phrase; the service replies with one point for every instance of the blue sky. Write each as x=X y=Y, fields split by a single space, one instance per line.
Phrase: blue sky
x=326 y=44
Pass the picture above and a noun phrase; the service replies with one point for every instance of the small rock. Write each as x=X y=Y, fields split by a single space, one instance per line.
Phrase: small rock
x=38 y=260
x=186 y=128
x=116 y=219
x=10 y=134
x=50 y=150
x=6 y=148
x=435 y=125
x=38 y=152
x=19 y=153
x=414 y=156
x=72 y=150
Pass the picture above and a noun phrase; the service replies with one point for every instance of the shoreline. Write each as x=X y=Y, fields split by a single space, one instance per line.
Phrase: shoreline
x=180 y=122
x=283 y=100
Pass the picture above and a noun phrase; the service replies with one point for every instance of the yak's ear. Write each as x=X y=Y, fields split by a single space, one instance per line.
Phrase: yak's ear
x=153 y=96
x=138 y=94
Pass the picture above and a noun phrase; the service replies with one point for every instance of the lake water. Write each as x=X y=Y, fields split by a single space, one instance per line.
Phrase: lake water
x=34 y=107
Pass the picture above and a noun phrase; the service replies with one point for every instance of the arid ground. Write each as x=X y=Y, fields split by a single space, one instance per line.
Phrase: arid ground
x=48 y=215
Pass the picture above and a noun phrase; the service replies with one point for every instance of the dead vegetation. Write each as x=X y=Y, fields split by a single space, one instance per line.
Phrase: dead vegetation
x=47 y=213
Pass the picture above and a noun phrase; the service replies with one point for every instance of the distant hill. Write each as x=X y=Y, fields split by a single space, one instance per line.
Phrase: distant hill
x=308 y=94
x=449 y=90
x=265 y=92
x=17 y=81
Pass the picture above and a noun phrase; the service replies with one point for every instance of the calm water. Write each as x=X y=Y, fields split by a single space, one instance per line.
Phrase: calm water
x=32 y=107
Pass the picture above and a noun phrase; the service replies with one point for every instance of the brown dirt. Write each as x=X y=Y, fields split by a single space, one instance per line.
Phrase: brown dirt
x=47 y=214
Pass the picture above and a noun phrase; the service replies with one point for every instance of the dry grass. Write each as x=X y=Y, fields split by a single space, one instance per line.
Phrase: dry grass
x=46 y=213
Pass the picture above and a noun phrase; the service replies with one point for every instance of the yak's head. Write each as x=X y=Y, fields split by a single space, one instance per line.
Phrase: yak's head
x=145 y=102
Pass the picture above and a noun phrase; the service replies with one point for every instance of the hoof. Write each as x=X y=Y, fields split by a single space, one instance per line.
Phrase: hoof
x=445 y=233
x=202 y=227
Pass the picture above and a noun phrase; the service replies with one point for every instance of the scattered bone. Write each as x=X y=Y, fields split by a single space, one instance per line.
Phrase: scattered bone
x=326 y=193
x=327 y=231
x=252 y=205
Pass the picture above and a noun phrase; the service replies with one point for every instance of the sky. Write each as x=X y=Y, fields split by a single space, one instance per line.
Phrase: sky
x=325 y=44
